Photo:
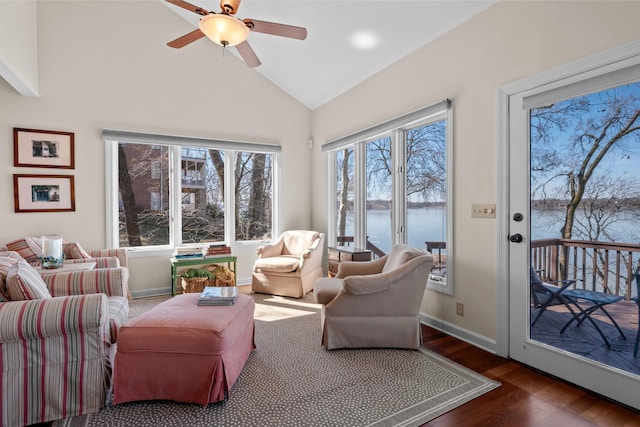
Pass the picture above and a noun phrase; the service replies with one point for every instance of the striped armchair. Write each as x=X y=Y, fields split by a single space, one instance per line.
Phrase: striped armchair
x=57 y=344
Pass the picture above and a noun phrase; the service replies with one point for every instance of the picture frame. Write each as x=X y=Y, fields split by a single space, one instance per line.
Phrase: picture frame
x=43 y=148
x=44 y=193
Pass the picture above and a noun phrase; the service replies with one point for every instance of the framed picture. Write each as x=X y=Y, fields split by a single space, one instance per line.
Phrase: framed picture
x=43 y=193
x=43 y=148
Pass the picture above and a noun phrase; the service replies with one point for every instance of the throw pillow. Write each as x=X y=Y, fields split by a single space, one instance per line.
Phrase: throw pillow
x=73 y=250
x=29 y=248
x=24 y=283
x=7 y=260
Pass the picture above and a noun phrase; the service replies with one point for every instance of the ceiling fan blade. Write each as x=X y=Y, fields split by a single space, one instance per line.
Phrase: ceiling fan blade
x=275 y=29
x=247 y=53
x=193 y=8
x=186 y=39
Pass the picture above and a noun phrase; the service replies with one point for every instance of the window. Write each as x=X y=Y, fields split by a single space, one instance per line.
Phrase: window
x=253 y=196
x=378 y=203
x=344 y=191
x=392 y=186
x=172 y=193
x=426 y=191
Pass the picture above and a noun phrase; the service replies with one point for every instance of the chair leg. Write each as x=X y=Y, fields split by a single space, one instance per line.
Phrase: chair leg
x=589 y=311
x=614 y=323
x=580 y=317
x=551 y=299
x=540 y=311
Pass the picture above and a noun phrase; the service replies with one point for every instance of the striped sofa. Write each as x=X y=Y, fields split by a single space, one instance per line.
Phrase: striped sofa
x=58 y=336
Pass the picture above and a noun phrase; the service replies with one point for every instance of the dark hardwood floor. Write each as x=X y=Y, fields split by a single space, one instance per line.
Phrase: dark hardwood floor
x=526 y=397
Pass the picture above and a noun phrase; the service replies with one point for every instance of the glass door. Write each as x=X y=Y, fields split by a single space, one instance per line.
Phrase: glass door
x=573 y=212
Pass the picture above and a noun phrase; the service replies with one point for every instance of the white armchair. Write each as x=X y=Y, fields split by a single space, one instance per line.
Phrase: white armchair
x=375 y=303
x=290 y=265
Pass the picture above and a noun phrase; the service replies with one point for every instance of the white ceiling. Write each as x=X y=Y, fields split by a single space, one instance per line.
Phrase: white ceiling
x=328 y=62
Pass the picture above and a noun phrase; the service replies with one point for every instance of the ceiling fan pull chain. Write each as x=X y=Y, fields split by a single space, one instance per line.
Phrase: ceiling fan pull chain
x=224 y=47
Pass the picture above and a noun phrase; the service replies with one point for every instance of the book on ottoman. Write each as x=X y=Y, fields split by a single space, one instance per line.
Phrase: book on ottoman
x=218 y=295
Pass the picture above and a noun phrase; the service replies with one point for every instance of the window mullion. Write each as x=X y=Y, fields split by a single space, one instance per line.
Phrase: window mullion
x=399 y=193
x=175 y=193
x=360 y=195
x=332 y=206
x=229 y=197
x=275 y=197
x=112 y=191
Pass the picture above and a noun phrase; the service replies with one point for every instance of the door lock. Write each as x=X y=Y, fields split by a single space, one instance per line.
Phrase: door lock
x=516 y=238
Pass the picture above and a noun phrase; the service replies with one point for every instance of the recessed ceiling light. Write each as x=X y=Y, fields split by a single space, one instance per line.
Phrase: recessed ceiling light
x=365 y=40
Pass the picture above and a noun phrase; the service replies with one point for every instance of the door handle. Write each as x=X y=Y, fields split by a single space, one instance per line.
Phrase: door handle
x=516 y=238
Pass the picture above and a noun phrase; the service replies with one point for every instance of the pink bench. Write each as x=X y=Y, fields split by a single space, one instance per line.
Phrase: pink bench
x=183 y=352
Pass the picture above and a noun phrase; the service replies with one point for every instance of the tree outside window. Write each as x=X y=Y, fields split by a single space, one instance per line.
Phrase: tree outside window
x=145 y=189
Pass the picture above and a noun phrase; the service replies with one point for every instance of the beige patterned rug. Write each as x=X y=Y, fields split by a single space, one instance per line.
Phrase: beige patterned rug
x=290 y=380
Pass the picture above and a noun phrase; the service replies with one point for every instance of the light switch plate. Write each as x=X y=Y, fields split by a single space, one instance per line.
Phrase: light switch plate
x=479 y=210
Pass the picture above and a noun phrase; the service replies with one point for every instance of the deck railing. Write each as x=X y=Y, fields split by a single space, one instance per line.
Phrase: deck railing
x=376 y=252
x=599 y=266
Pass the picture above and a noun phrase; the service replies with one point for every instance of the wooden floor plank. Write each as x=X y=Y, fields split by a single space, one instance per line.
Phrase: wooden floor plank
x=526 y=396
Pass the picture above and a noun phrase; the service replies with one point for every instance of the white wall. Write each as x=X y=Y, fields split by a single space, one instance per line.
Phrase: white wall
x=105 y=64
x=508 y=41
x=18 y=45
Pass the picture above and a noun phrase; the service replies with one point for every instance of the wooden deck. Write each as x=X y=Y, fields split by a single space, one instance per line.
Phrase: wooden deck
x=585 y=340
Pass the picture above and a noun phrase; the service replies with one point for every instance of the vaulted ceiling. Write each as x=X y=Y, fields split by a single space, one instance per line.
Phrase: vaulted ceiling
x=347 y=42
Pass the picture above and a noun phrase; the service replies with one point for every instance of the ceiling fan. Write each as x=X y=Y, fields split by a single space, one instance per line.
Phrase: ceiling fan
x=227 y=30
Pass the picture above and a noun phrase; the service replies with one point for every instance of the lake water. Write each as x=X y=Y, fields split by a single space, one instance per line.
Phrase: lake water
x=424 y=224
x=428 y=224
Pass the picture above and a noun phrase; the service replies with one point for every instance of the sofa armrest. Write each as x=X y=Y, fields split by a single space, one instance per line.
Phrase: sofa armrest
x=311 y=258
x=51 y=317
x=101 y=262
x=365 y=285
x=360 y=268
x=109 y=281
x=120 y=254
x=271 y=249
x=408 y=274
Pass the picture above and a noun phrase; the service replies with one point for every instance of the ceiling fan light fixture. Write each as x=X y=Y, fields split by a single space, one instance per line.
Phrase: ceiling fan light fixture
x=223 y=29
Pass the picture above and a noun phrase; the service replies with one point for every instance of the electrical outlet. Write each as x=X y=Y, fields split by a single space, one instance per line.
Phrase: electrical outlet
x=479 y=210
x=459 y=308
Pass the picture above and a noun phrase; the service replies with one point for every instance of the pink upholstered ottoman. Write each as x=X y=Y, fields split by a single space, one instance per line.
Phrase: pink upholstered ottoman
x=184 y=352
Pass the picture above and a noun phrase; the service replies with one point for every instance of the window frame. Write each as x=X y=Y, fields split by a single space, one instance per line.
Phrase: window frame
x=111 y=140
x=396 y=129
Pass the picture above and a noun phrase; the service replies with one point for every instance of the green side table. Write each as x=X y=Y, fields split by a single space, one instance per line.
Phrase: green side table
x=178 y=266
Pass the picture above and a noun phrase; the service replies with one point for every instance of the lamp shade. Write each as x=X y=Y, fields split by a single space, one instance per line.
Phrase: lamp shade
x=224 y=29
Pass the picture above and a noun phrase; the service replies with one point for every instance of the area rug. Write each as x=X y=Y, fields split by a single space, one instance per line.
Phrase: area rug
x=290 y=380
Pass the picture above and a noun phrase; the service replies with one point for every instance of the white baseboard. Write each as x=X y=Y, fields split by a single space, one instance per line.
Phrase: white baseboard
x=151 y=292
x=465 y=335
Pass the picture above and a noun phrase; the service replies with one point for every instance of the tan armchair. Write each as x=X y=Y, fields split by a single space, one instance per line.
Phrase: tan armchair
x=375 y=303
x=290 y=265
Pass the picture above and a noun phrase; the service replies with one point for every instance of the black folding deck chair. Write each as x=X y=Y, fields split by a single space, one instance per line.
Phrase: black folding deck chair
x=546 y=294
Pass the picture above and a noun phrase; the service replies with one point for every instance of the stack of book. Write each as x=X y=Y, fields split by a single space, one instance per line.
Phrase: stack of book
x=218 y=295
x=216 y=250
x=188 y=252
